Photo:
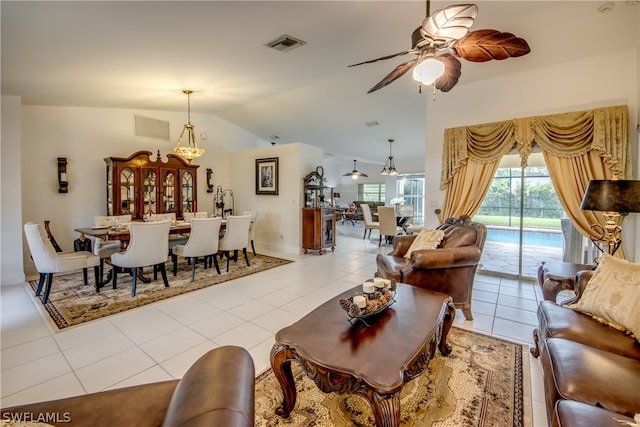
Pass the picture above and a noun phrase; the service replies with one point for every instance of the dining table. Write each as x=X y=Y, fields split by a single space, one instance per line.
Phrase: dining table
x=123 y=234
x=401 y=219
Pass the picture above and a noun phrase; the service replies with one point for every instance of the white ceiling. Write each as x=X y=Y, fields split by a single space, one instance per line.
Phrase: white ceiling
x=140 y=55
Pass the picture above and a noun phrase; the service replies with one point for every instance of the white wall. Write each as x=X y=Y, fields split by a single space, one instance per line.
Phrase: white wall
x=11 y=271
x=573 y=86
x=278 y=226
x=85 y=136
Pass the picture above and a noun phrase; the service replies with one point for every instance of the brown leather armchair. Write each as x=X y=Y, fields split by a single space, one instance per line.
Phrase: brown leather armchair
x=450 y=268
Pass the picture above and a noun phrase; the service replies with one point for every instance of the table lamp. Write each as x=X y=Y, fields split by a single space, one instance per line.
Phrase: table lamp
x=615 y=198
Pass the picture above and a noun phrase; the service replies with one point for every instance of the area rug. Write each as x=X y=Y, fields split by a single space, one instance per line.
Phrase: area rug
x=485 y=381
x=71 y=303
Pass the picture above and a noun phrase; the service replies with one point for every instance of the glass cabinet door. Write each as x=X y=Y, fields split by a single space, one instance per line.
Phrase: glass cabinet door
x=109 y=190
x=149 y=189
x=127 y=192
x=169 y=192
x=187 y=192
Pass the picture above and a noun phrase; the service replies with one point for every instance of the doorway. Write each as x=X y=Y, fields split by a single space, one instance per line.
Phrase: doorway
x=524 y=219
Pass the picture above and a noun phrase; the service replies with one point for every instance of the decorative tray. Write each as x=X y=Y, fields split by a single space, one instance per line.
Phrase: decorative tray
x=375 y=303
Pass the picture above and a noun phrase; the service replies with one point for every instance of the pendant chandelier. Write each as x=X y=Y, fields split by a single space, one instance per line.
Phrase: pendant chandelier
x=355 y=174
x=390 y=164
x=189 y=151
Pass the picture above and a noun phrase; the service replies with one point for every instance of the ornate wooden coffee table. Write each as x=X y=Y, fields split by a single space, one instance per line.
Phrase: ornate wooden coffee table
x=374 y=362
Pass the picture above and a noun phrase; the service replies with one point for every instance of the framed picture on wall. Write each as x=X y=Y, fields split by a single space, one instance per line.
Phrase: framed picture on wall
x=267 y=176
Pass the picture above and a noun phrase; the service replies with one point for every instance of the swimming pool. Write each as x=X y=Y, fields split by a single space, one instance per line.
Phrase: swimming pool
x=529 y=237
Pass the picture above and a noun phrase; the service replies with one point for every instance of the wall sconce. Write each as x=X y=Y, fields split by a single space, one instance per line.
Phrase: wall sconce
x=209 y=184
x=63 y=184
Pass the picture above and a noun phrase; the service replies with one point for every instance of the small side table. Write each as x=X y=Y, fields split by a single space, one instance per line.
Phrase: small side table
x=554 y=277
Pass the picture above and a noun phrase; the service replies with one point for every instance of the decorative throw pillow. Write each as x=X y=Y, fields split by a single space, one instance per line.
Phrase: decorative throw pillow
x=612 y=295
x=427 y=239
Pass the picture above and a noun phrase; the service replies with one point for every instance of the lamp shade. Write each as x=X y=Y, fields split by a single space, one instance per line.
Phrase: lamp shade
x=622 y=196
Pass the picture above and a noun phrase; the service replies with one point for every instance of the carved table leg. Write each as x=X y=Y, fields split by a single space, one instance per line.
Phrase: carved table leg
x=450 y=314
x=281 y=366
x=535 y=351
x=386 y=409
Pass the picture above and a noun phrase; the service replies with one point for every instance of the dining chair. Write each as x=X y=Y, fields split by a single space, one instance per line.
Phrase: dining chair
x=105 y=248
x=235 y=237
x=148 y=245
x=388 y=224
x=48 y=261
x=252 y=228
x=203 y=242
x=174 y=239
x=369 y=223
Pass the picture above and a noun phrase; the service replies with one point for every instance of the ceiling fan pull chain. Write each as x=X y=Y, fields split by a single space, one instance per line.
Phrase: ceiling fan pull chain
x=419 y=88
x=434 y=92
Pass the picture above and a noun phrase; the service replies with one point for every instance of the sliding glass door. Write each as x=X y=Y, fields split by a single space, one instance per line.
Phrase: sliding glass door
x=523 y=218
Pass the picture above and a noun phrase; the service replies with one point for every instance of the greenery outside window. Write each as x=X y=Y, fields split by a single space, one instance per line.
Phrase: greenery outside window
x=501 y=205
x=371 y=192
x=411 y=189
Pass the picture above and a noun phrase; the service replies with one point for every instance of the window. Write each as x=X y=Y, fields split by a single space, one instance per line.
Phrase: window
x=411 y=189
x=371 y=192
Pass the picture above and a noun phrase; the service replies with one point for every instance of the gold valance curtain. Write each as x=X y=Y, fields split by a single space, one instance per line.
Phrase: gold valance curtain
x=577 y=146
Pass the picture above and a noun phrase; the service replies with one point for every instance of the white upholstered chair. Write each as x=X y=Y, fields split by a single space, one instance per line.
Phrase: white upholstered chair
x=148 y=245
x=48 y=261
x=104 y=248
x=369 y=223
x=252 y=228
x=388 y=224
x=235 y=237
x=203 y=242
x=174 y=239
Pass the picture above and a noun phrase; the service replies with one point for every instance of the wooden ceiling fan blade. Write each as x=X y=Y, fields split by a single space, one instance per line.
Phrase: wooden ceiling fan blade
x=452 y=73
x=397 y=72
x=485 y=45
x=404 y=52
x=450 y=23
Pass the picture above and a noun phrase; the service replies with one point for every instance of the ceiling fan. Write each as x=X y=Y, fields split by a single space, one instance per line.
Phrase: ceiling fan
x=444 y=37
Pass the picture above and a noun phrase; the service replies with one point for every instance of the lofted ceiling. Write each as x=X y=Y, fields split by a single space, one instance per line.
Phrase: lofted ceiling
x=140 y=55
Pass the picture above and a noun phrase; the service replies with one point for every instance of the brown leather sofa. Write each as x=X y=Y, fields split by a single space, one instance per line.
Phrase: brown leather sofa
x=218 y=390
x=591 y=370
x=450 y=268
x=359 y=216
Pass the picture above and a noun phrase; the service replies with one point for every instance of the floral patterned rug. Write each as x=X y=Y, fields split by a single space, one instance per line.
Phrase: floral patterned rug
x=71 y=303
x=485 y=381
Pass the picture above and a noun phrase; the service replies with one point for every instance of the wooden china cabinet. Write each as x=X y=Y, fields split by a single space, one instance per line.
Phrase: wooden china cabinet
x=318 y=215
x=139 y=185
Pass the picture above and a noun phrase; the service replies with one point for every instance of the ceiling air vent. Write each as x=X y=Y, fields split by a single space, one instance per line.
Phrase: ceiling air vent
x=285 y=43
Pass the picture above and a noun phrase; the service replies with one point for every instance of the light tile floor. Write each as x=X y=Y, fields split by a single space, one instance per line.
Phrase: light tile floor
x=160 y=341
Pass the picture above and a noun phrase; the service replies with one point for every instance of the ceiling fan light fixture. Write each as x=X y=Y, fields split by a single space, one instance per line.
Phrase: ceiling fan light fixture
x=428 y=71
x=354 y=174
